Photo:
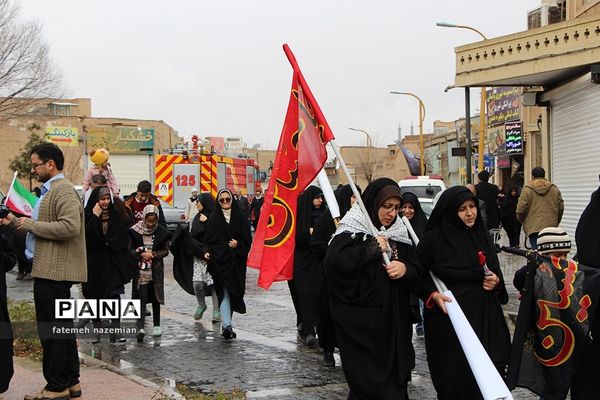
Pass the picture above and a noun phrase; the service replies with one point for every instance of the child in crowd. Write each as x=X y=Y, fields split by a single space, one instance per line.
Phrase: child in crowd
x=100 y=165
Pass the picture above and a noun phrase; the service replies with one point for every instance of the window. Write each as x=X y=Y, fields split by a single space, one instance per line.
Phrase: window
x=61 y=110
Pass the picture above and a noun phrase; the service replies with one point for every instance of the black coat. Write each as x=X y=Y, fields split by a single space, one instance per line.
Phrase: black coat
x=372 y=317
x=108 y=262
x=227 y=266
x=8 y=260
x=449 y=249
x=488 y=192
x=185 y=246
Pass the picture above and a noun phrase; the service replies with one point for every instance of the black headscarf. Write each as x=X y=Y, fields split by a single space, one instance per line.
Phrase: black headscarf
x=307 y=215
x=376 y=194
x=586 y=235
x=460 y=243
x=208 y=203
x=343 y=196
x=419 y=220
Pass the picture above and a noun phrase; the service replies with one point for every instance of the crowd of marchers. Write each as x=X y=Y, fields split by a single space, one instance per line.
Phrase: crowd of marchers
x=344 y=294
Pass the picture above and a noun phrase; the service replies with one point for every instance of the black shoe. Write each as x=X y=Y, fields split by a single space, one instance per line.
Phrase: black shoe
x=27 y=277
x=328 y=360
x=140 y=335
x=310 y=340
x=228 y=333
x=20 y=276
x=96 y=339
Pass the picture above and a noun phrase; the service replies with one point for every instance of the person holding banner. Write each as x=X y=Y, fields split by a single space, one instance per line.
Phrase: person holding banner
x=227 y=243
x=319 y=242
x=450 y=248
x=307 y=274
x=369 y=301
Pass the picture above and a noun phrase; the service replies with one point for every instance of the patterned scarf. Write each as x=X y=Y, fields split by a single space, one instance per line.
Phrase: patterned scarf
x=355 y=222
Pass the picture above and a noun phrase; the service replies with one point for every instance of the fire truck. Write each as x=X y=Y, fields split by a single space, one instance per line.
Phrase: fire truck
x=177 y=174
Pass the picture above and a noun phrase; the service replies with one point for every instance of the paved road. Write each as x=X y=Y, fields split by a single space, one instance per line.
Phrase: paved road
x=265 y=360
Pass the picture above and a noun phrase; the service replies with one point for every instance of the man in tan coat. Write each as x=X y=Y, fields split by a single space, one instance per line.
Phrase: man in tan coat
x=540 y=205
x=56 y=243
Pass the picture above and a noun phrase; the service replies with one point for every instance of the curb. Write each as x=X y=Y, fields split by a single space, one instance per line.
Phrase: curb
x=168 y=388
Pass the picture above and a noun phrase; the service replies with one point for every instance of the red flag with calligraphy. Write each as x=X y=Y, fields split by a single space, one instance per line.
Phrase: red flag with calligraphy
x=300 y=156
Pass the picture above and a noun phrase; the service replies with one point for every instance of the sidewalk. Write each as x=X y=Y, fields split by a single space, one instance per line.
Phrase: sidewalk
x=99 y=381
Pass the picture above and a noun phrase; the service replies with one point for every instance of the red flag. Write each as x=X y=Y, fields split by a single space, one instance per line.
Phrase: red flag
x=300 y=156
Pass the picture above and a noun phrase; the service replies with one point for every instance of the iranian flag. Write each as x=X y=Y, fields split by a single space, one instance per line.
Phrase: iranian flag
x=19 y=199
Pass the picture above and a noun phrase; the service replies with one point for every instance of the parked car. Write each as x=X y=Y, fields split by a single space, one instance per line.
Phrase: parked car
x=425 y=188
x=174 y=216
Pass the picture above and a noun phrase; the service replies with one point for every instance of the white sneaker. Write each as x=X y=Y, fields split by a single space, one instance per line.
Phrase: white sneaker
x=157 y=331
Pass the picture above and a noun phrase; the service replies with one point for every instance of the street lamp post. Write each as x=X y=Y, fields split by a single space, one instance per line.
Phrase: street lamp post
x=482 y=108
x=468 y=131
x=369 y=141
x=421 y=119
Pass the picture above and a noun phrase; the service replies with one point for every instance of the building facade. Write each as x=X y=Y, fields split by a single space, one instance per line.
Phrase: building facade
x=557 y=65
x=69 y=123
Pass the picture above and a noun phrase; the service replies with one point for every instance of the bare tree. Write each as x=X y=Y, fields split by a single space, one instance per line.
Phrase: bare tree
x=365 y=164
x=26 y=72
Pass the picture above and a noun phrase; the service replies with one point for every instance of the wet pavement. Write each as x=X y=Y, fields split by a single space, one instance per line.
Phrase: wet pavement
x=265 y=361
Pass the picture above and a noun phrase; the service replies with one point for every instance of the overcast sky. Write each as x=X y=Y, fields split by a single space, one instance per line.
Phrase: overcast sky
x=216 y=68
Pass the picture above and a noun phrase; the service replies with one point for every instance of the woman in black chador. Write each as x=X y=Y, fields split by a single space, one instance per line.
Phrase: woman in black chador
x=412 y=210
x=585 y=384
x=454 y=236
x=319 y=241
x=307 y=272
x=227 y=243
x=369 y=301
x=107 y=245
x=508 y=217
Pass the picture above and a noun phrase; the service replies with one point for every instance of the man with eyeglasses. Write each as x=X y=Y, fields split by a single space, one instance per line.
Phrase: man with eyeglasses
x=56 y=243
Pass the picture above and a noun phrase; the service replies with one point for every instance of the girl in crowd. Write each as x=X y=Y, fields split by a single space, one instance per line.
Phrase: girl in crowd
x=307 y=272
x=107 y=245
x=149 y=245
x=228 y=241
x=508 y=216
x=412 y=210
x=202 y=279
x=369 y=301
x=324 y=230
x=454 y=236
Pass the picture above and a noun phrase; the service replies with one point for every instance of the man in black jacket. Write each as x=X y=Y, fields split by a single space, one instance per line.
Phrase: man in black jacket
x=488 y=192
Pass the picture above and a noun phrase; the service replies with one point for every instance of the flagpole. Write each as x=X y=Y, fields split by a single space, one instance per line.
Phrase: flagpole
x=363 y=209
x=332 y=204
x=11 y=186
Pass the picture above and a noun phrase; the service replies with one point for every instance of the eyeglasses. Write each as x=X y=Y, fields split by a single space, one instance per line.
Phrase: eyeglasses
x=390 y=207
x=224 y=200
x=34 y=166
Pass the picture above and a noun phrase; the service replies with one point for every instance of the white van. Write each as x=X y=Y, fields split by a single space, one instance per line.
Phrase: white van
x=425 y=188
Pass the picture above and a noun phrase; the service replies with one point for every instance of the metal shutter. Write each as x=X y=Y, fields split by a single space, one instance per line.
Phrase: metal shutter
x=130 y=169
x=575 y=138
